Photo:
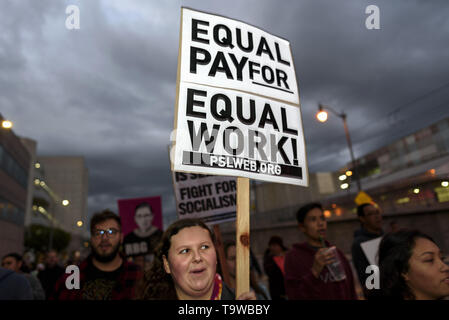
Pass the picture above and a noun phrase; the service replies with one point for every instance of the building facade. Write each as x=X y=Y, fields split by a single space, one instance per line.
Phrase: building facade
x=14 y=173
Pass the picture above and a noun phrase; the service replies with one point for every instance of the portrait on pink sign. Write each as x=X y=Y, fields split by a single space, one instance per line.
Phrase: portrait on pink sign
x=142 y=227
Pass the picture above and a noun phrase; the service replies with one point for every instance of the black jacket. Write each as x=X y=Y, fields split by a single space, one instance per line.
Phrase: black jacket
x=275 y=277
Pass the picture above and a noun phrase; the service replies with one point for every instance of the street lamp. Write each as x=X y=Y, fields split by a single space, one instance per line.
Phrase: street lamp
x=6 y=124
x=322 y=116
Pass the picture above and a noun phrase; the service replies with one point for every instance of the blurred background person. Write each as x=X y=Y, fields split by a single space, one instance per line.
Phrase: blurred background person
x=230 y=255
x=13 y=261
x=14 y=286
x=274 y=259
x=307 y=272
x=411 y=267
x=51 y=273
x=105 y=274
x=370 y=218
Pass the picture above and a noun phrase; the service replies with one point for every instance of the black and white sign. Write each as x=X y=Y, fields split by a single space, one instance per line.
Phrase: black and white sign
x=237 y=102
x=209 y=198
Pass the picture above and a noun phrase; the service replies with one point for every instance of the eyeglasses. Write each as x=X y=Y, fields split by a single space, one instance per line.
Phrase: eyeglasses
x=108 y=232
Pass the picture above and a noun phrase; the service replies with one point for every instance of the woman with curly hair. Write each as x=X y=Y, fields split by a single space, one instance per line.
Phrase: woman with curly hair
x=184 y=266
x=411 y=267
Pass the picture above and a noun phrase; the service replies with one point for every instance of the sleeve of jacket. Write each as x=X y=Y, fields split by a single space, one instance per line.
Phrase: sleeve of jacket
x=300 y=283
x=360 y=262
x=38 y=291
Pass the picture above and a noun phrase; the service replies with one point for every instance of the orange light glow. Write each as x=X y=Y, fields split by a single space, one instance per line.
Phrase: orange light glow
x=327 y=213
x=321 y=116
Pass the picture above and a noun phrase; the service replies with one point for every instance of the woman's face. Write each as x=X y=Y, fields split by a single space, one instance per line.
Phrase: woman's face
x=428 y=276
x=192 y=263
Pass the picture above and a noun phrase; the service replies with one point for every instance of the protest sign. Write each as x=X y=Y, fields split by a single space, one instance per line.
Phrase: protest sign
x=209 y=198
x=142 y=225
x=237 y=106
x=237 y=112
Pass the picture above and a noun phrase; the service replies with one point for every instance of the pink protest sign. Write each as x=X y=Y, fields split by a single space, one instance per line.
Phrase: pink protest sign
x=141 y=224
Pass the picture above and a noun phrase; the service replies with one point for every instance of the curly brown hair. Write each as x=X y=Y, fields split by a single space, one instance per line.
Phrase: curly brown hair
x=156 y=284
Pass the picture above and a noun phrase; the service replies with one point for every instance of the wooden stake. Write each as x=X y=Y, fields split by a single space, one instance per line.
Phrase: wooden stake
x=221 y=254
x=242 y=237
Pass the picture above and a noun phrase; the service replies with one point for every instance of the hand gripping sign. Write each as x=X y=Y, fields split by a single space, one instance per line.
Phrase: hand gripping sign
x=237 y=112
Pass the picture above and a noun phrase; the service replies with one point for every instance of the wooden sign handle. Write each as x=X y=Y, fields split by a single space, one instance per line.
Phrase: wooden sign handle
x=242 y=237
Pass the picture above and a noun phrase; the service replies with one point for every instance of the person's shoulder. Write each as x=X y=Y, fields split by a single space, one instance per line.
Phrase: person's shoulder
x=298 y=249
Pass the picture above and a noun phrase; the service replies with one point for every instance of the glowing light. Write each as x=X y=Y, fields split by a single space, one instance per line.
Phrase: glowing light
x=338 y=212
x=36 y=182
x=322 y=116
x=65 y=203
x=416 y=190
x=327 y=213
x=349 y=173
x=6 y=124
x=37 y=165
x=445 y=184
x=344 y=186
x=42 y=183
x=79 y=223
x=342 y=177
x=432 y=171
x=334 y=205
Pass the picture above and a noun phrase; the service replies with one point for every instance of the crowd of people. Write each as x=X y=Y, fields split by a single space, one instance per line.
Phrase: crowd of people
x=186 y=266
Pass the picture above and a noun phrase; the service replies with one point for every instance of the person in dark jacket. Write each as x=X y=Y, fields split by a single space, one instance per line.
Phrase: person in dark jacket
x=14 y=286
x=371 y=227
x=13 y=261
x=52 y=272
x=306 y=274
x=273 y=264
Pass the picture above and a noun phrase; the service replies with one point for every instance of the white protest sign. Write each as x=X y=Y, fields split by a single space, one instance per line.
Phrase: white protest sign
x=209 y=198
x=370 y=249
x=226 y=53
x=237 y=111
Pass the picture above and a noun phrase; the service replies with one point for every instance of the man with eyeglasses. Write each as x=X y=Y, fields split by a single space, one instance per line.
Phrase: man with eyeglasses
x=370 y=218
x=105 y=274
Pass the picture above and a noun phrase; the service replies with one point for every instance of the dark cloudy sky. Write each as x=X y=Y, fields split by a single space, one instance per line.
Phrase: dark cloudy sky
x=107 y=91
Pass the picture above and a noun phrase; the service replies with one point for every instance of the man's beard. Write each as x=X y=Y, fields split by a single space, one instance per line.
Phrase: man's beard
x=105 y=258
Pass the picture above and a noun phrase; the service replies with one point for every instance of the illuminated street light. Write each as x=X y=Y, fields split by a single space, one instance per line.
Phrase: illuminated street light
x=445 y=184
x=65 y=203
x=344 y=186
x=79 y=223
x=349 y=173
x=42 y=183
x=342 y=177
x=416 y=190
x=37 y=165
x=322 y=117
x=6 y=124
x=37 y=182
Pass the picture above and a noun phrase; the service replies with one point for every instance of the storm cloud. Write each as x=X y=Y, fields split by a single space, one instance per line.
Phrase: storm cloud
x=107 y=91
